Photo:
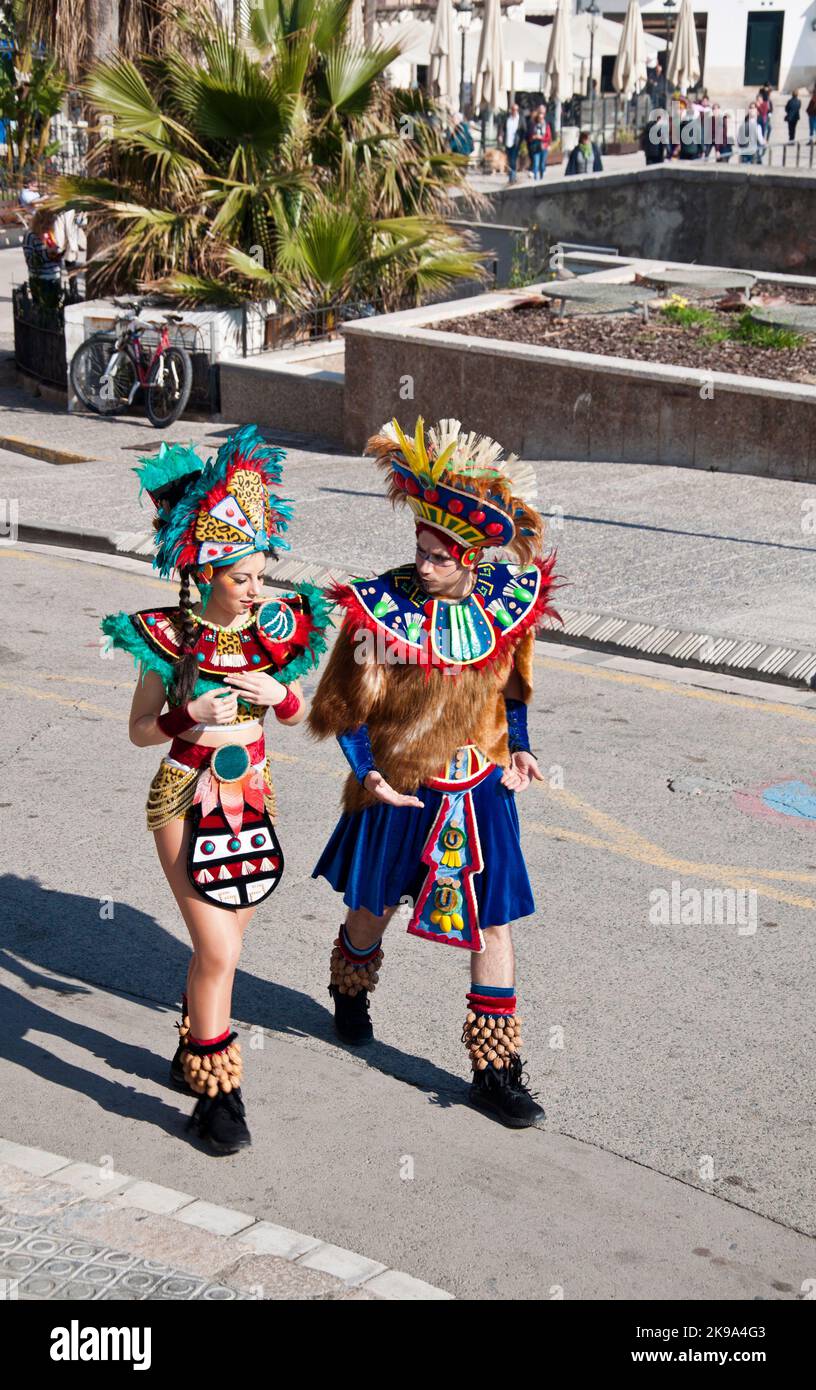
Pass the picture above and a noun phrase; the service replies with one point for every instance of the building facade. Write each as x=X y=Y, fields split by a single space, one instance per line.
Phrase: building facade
x=743 y=43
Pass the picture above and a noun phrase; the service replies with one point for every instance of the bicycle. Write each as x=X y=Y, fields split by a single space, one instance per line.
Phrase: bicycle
x=110 y=367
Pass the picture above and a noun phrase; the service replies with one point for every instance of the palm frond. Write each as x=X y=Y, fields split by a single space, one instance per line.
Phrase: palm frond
x=349 y=74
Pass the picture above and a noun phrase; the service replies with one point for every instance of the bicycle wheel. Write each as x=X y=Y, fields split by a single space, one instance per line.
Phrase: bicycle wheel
x=168 y=387
x=88 y=365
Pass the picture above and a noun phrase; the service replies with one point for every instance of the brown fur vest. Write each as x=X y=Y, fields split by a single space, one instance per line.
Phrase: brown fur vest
x=416 y=717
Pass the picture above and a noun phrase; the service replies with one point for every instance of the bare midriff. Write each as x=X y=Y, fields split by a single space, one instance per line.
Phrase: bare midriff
x=249 y=731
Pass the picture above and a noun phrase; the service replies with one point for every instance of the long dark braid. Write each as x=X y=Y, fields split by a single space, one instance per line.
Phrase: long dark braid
x=186 y=676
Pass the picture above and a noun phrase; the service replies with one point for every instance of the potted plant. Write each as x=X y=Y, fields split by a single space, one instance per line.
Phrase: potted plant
x=624 y=141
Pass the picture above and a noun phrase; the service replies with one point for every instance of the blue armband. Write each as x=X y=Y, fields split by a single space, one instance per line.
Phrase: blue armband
x=517 y=734
x=356 y=746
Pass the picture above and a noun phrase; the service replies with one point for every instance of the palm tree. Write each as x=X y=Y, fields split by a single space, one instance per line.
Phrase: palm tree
x=77 y=33
x=283 y=167
x=31 y=91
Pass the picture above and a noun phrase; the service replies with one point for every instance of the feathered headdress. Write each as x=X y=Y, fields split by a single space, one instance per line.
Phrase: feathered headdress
x=218 y=512
x=460 y=485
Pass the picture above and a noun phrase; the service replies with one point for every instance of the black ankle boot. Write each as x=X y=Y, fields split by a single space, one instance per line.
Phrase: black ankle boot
x=221 y=1121
x=503 y=1093
x=351 y=1020
x=177 y=1078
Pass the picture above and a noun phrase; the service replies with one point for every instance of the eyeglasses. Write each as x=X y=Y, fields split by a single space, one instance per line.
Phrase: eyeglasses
x=439 y=562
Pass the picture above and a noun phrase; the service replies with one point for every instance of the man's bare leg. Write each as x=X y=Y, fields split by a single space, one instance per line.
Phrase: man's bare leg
x=355 y=965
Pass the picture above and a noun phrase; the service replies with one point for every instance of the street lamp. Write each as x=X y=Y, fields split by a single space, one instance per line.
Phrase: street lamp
x=464 y=15
x=669 y=6
x=593 y=11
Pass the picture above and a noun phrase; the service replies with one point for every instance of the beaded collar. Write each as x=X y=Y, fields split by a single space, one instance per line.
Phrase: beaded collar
x=466 y=632
x=246 y=621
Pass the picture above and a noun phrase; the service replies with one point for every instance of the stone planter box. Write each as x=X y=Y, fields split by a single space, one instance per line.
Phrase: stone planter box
x=299 y=389
x=543 y=402
x=622 y=147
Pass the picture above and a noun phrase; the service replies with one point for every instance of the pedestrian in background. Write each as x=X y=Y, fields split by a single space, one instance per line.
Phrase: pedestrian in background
x=539 y=139
x=750 y=138
x=43 y=259
x=764 y=96
x=460 y=140
x=811 y=114
x=763 y=106
x=691 y=135
x=655 y=138
x=513 y=136
x=721 y=132
x=793 y=111
x=30 y=192
x=70 y=239
x=585 y=158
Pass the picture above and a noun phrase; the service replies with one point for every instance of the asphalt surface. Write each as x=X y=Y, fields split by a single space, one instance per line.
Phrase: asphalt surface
x=710 y=552
x=673 y=1057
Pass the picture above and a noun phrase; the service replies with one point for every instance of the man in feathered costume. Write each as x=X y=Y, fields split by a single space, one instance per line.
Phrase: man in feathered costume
x=426 y=691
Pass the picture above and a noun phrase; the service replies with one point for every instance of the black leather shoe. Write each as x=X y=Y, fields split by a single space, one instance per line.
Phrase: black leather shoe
x=221 y=1121
x=351 y=1020
x=177 y=1078
x=503 y=1093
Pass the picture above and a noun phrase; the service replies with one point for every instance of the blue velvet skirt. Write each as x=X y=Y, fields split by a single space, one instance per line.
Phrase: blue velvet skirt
x=374 y=856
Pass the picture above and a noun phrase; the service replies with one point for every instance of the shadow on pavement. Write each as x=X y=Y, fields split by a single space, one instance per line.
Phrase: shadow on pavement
x=63 y=933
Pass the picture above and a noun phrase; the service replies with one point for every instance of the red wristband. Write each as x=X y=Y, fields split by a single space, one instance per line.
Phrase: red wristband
x=175 y=721
x=289 y=705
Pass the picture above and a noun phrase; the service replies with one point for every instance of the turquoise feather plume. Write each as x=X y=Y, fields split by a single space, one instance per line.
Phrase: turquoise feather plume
x=176 y=460
x=173 y=461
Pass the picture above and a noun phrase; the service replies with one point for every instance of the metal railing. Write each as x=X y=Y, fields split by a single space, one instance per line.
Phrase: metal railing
x=607 y=115
x=794 y=154
x=39 y=338
x=264 y=330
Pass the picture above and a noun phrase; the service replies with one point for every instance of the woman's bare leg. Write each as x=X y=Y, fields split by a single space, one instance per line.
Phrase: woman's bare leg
x=216 y=934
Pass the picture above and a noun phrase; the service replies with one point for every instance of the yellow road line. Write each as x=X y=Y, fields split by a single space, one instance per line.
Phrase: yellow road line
x=84 y=705
x=629 y=838
x=83 y=680
x=720 y=873
x=717 y=697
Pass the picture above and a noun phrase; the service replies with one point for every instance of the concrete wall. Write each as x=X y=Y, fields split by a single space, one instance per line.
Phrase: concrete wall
x=301 y=391
x=544 y=403
x=752 y=220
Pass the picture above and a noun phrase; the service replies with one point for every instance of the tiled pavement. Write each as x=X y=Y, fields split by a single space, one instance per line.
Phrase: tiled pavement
x=39 y=1261
x=73 y=1231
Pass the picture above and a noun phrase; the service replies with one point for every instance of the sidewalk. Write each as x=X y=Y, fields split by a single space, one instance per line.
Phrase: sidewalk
x=338 y=1139
x=75 y=1231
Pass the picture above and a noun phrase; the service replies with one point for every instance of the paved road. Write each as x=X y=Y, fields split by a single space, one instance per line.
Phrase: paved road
x=674 y=1059
x=711 y=552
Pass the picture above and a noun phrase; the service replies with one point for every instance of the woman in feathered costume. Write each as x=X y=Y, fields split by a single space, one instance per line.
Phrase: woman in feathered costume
x=218 y=665
x=426 y=691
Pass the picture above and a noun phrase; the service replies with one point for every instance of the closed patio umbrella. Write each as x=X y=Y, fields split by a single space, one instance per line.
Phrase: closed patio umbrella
x=629 y=76
x=356 y=23
x=560 y=66
x=490 y=63
x=684 y=68
x=443 y=55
